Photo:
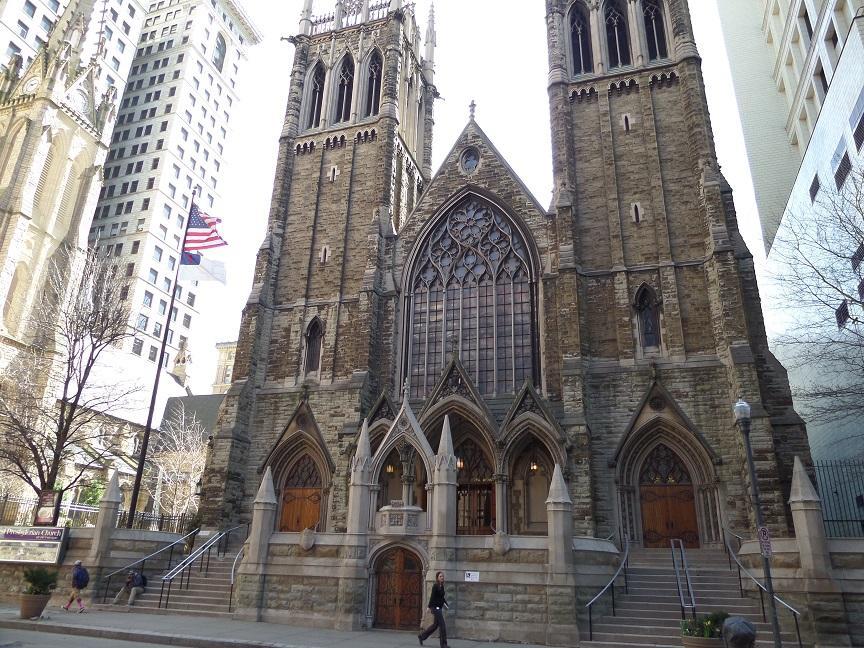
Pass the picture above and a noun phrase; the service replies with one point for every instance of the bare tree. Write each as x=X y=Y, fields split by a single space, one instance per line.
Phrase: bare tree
x=818 y=263
x=51 y=405
x=177 y=463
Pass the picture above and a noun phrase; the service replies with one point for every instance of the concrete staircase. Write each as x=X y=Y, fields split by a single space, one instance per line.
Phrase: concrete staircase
x=207 y=594
x=650 y=614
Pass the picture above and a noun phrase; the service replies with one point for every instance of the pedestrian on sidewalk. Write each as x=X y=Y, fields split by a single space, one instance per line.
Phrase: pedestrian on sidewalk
x=80 y=580
x=437 y=605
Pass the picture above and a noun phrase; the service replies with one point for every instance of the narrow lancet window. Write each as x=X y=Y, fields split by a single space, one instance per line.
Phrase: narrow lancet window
x=617 y=35
x=373 y=85
x=647 y=310
x=314 y=337
x=655 y=30
x=346 y=90
x=316 y=97
x=580 y=40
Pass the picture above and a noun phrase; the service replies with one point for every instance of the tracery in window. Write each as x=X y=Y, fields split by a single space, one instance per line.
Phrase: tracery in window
x=648 y=313
x=655 y=30
x=580 y=40
x=316 y=97
x=314 y=337
x=219 y=52
x=373 y=85
x=663 y=468
x=345 y=90
x=472 y=293
x=617 y=34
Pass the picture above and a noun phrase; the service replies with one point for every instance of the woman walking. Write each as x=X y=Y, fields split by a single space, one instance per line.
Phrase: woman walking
x=437 y=603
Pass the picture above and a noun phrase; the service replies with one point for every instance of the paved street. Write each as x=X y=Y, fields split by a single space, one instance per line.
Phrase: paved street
x=24 y=639
x=204 y=632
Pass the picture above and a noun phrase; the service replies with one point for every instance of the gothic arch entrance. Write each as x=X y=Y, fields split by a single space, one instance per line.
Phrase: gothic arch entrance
x=667 y=500
x=398 y=590
x=301 y=497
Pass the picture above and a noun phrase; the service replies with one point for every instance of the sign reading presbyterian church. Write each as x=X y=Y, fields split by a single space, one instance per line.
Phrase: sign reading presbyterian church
x=32 y=544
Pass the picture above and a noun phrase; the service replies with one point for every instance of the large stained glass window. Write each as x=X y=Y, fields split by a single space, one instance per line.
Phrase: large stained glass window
x=472 y=293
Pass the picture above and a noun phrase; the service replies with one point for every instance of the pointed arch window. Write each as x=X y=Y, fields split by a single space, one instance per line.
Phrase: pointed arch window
x=316 y=97
x=580 y=40
x=472 y=293
x=648 y=313
x=301 y=497
x=314 y=338
x=373 y=85
x=617 y=35
x=475 y=502
x=219 y=52
x=655 y=30
x=345 y=90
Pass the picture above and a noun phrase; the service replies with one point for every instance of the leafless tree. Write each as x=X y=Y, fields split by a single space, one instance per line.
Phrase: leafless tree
x=818 y=263
x=52 y=407
x=177 y=463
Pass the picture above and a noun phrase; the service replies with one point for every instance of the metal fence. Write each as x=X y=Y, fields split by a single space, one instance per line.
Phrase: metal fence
x=841 y=487
x=19 y=511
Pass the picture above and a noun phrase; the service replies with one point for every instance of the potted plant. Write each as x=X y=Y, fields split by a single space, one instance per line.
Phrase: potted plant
x=40 y=583
x=703 y=632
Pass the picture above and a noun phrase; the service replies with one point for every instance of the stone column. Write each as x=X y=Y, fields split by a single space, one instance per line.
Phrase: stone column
x=444 y=477
x=598 y=25
x=359 y=487
x=106 y=522
x=559 y=518
x=638 y=51
x=501 y=503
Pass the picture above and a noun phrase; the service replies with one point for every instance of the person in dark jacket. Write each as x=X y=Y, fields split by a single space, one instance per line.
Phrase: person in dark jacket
x=437 y=604
x=80 y=580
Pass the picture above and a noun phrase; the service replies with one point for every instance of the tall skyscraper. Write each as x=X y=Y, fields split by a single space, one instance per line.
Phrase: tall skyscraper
x=783 y=55
x=169 y=143
x=58 y=102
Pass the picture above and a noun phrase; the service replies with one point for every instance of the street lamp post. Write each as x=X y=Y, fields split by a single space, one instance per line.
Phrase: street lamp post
x=742 y=417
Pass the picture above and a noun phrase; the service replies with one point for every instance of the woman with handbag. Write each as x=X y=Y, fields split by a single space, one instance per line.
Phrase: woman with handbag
x=437 y=603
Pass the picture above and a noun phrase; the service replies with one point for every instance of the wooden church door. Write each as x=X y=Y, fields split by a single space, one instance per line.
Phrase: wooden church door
x=301 y=497
x=668 y=501
x=399 y=591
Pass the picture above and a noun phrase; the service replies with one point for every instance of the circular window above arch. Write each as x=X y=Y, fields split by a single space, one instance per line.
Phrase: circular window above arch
x=470 y=160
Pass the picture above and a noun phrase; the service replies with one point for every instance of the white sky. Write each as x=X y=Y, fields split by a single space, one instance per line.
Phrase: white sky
x=497 y=58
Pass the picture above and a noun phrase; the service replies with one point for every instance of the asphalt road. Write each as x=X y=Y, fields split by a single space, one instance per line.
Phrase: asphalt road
x=24 y=639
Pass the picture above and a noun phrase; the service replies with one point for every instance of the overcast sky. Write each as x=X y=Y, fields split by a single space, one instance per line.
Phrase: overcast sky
x=487 y=53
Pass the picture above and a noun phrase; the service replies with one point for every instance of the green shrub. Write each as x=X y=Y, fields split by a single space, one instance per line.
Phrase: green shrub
x=39 y=580
x=707 y=626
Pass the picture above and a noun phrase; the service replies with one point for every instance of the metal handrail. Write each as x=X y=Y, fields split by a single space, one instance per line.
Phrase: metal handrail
x=762 y=589
x=677 y=543
x=610 y=584
x=191 y=559
x=233 y=570
x=143 y=561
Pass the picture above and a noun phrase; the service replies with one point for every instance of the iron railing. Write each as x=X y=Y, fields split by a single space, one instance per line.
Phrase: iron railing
x=762 y=589
x=841 y=488
x=610 y=587
x=233 y=571
x=20 y=511
x=682 y=578
x=144 y=521
x=179 y=544
x=219 y=541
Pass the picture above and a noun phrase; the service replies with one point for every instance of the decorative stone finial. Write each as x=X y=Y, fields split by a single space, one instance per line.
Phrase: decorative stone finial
x=472 y=107
x=112 y=493
x=802 y=488
x=558 y=488
x=266 y=493
x=364 y=449
x=445 y=446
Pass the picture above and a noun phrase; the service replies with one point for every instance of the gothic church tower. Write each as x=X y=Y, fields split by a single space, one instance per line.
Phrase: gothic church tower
x=669 y=330
x=55 y=123
x=355 y=154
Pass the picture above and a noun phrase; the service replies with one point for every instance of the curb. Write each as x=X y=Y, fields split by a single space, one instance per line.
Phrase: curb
x=138 y=636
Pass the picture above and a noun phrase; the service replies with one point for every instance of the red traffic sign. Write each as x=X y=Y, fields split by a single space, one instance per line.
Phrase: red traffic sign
x=764 y=541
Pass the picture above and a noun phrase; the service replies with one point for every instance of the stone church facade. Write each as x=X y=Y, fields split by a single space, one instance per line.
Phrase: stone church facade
x=438 y=373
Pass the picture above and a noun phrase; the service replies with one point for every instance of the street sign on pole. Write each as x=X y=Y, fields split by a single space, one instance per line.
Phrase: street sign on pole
x=764 y=541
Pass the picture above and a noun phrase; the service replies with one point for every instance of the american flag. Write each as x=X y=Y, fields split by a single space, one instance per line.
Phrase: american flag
x=201 y=232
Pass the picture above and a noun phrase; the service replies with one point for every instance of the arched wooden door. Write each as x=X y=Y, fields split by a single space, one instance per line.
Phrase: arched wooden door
x=668 y=501
x=301 y=497
x=399 y=590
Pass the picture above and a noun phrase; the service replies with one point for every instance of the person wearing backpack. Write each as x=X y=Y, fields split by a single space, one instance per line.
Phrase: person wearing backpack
x=80 y=580
x=139 y=582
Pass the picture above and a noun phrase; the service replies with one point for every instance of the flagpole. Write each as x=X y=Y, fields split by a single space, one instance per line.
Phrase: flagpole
x=145 y=441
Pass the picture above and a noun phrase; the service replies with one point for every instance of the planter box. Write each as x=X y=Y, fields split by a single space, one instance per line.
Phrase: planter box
x=32 y=605
x=701 y=642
